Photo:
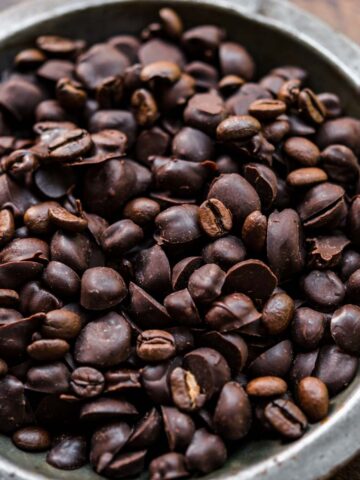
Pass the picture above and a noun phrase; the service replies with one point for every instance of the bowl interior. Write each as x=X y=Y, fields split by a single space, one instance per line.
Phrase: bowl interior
x=271 y=47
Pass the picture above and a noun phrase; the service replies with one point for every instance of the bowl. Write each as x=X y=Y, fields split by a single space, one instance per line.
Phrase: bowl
x=275 y=33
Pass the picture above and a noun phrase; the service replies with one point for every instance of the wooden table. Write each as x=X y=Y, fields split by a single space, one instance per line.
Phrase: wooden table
x=343 y=15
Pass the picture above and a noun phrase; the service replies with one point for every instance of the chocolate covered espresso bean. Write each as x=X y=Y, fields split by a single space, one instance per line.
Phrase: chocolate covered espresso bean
x=179 y=250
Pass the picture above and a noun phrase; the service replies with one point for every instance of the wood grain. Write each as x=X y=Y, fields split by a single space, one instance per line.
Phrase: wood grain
x=344 y=16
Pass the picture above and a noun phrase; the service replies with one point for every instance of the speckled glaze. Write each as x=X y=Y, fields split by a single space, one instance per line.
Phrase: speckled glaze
x=276 y=33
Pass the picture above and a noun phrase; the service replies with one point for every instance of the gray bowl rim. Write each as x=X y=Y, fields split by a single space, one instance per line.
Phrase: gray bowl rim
x=323 y=450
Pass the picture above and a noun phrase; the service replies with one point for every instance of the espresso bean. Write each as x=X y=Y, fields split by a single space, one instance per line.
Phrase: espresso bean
x=350 y=262
x=147 y=430
x=68 y=454
x=29 y=59
x=203 y=41
x=308 y=328
x=121 y=236
x=50 y=378
x=185 y=390
x=70 y=94
x=146 y=310
x=34 y=298
x=20 y=97
x=168 y=466
x=230 y=345
x=206 y=452
x=276 y=361
x=126 y=464
x=144 y=106
x=110 y=91
x=21 y=249
x=66 y=220
x=215 y=218
x=184 y=141
x=71 y=249
x=302 y=150
x=182 y=308
x=241 y=278
x=276 y=130
x=62 y=324
x=102 y=288
x=36 y=218
x=209 y=368
x=344 y=328
x=225 y=252
x=32 y=439
x=304 y=365
x=87 y=382
x=13 y=403
x=232 y=417
x=235 y=60
x=106 y=442
x=236 y=194
x=343 y=131
x=230 y=83
x=170 y=224
x=289 y=91
x=254 y=231
x=266 y=387
x=237 y=127
x=313 y=398
x=155 y=379
x=179 y=428
x=263 y=179
x=324 y=288
x=285 y=250
x=155 y=345
x=98 y=346
x=104 y=409
x=311 y=107
x=182 y=270
x=70 y=145
x=331 y=103
x=232 y=312
x=122 y=379
x=335 y=368
x=118 y=179
x=340 y=163
x=205 y=111
x=306 y=177
x=141 y=211
x=277 y=313
x=61 y=279
x=7 y=226
x=172 y=23
x=16 y=333
x=48 y=350
x=265 y=109
x=160 y=72
x=205 y=283
x=286 y=418
x=157 y=49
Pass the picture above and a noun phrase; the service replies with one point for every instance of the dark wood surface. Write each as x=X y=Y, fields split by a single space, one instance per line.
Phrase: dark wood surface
x=343 y=15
